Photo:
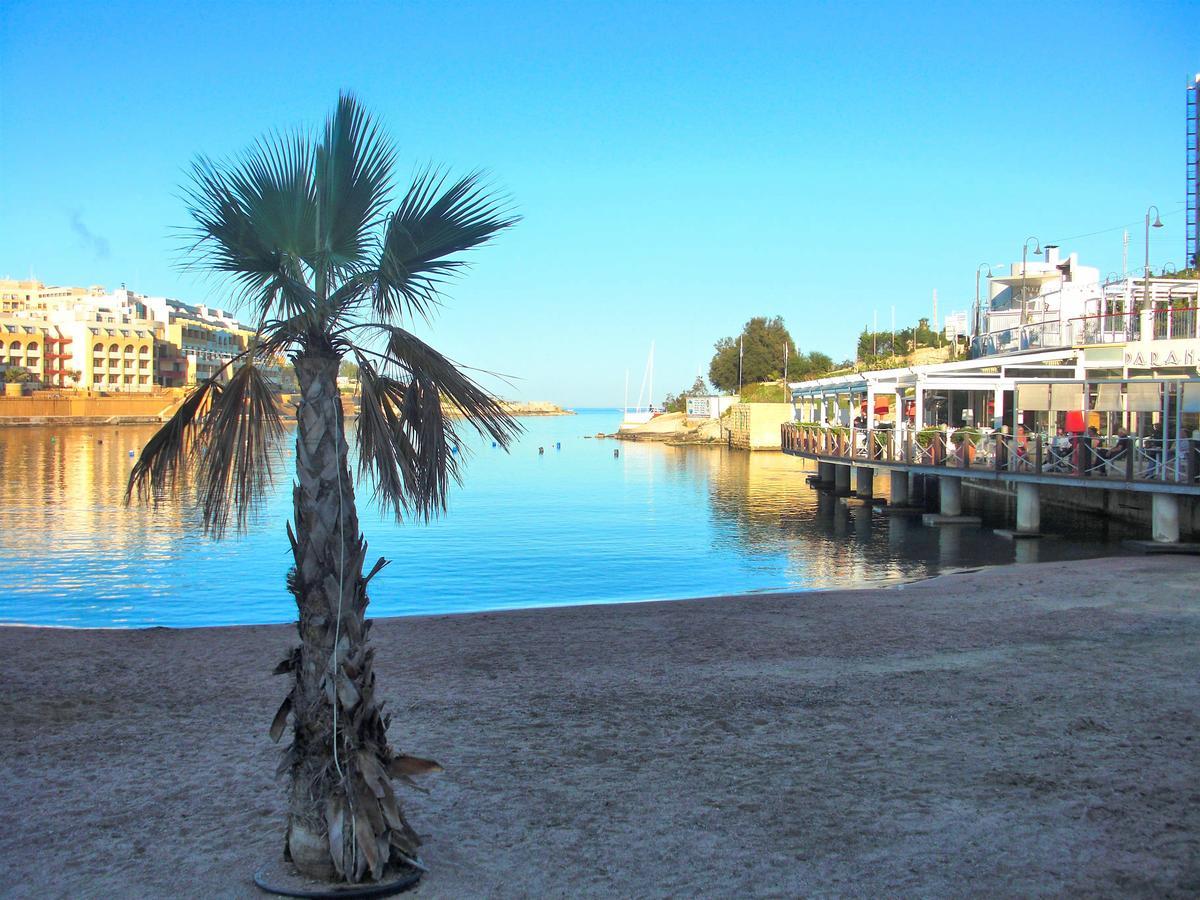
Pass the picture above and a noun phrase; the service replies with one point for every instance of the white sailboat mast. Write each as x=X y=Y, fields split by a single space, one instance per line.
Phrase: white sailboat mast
x=650 y=397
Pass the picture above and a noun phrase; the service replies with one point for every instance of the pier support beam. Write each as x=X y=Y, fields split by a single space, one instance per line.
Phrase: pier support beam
x=1164 y=519
x=825 y=474
x=903 y=500
x=950 y=496
x=864 y=482
x=1029 y=513
x=841 y=479
x=1029 y=508
x=949 y=505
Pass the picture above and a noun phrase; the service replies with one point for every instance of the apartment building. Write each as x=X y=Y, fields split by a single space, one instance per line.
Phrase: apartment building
x=89 y=338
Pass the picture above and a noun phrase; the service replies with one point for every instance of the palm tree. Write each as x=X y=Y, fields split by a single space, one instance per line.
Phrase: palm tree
x=304 y=227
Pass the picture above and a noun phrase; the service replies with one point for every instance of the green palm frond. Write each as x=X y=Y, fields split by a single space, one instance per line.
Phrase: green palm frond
x=423 y=236
x=301 y=224
x=256 y=222
x=353 y=177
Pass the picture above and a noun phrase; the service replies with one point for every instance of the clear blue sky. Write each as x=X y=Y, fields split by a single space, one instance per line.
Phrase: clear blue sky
x=680 y=166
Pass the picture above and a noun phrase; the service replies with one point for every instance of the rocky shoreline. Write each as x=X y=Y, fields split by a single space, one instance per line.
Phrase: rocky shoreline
x=674 y=429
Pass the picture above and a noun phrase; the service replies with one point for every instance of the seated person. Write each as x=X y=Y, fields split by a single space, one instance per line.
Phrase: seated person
x=1060 y=450
x=1122 y=446
x=1092 y=454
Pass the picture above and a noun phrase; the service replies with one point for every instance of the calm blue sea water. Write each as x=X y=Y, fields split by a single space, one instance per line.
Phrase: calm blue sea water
x=576 y=525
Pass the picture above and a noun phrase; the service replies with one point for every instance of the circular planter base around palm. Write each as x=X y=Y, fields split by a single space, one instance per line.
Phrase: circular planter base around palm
x=280 y=877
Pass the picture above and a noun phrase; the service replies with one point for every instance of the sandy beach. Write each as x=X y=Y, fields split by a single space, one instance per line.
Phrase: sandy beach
x=1012 y=731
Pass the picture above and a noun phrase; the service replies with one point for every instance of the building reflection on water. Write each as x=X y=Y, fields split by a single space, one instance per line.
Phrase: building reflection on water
x=765 y=498
x=573 y=525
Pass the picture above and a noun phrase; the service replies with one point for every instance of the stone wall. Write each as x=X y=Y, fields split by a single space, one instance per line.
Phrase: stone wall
x=21 y=410
x=755 y=426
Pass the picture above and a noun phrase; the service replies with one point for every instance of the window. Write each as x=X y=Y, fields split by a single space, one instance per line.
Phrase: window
x=99 y=348
x=144 y=350
x=15 y=346
x=113 y=348
x=31 y=347
x=129 y=348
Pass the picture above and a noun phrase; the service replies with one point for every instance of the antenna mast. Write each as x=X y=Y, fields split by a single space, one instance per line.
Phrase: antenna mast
x=1191 y=255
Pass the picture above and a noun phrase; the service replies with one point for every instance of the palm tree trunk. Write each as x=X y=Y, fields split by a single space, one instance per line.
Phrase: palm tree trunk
x=343 y=818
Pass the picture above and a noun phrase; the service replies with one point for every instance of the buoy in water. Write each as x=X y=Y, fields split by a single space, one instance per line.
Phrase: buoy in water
x=541 y=451
x=616 y=453
x=493 y=443
x=131 y=453
x=558 y=445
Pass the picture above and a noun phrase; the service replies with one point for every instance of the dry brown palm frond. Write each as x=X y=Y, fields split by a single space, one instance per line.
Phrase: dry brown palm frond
x=385 y=452
x=239 y=440
x=406 y=438
x=168 y=454
x=419 y=361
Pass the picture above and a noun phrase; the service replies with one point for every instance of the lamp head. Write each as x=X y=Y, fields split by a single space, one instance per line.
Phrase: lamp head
x=1157 y=223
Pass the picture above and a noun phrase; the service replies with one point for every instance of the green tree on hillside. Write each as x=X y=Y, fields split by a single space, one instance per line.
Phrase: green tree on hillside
x=762 y=345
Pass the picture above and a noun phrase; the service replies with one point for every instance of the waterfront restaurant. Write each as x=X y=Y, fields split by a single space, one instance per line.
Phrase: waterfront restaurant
x=1129 y=361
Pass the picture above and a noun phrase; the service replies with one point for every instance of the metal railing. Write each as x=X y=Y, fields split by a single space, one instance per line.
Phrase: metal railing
x=1134 y=459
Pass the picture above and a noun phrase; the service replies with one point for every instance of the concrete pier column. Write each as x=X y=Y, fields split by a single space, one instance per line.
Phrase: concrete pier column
x=1164 y=518
x=899 y=488
x=1026 y=551
x=949 y=544
x=824 y=473
x=950 y=496
x=864 y=481
x=841 y=479
x=1029 y=508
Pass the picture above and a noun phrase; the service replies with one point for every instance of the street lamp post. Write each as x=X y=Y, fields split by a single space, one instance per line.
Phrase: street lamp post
x=1146 y=273
x=978 y=308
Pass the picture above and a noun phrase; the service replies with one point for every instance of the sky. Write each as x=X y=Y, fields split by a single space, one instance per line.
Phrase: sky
x=679 y=167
